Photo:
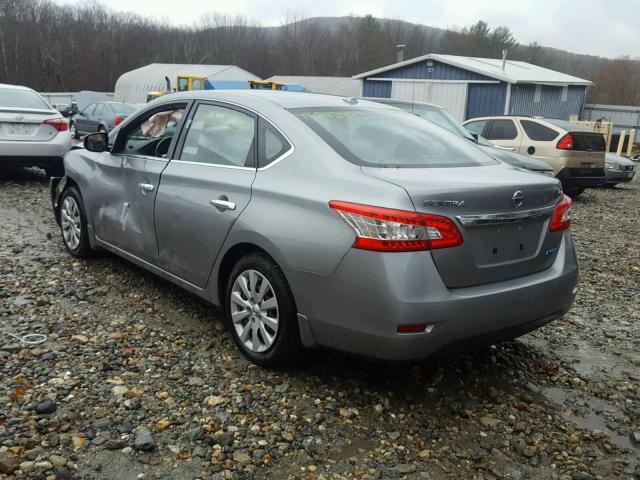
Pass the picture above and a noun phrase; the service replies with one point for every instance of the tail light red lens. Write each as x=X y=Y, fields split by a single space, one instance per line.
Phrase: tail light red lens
x=565 y=143
x=118 y=120
x=389 y=230
x=60 y=124
x=561 y=218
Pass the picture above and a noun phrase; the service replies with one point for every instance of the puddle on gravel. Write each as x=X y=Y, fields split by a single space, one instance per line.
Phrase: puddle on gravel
x=589 y=412
x=587 y=361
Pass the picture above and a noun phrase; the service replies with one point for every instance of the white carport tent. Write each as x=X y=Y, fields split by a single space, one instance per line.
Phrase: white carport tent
x=133 y=86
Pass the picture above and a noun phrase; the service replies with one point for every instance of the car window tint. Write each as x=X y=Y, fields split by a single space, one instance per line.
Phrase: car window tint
x=538 y=132
x=148 y=132
x=476 y=127
x=89 y=110
x=502 y=130
x=99 y=110
x=272 y=144
x=381 y=137
x=220 y=136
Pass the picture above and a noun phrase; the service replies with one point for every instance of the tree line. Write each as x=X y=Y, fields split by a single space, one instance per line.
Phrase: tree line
x=52 y=47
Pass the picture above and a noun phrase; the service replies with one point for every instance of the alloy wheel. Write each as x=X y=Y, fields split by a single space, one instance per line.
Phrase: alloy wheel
x=254 y=311
x=70 y=221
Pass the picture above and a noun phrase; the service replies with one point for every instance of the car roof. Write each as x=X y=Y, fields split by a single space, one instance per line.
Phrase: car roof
x=394 y=101
x=563 y=124
x=15 y=87
x=282 y=99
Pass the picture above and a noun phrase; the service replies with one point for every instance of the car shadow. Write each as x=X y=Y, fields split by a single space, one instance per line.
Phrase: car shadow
x=23 y=175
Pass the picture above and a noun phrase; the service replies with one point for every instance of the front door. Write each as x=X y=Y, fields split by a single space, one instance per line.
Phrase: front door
x=143 y=151
x=204 y=189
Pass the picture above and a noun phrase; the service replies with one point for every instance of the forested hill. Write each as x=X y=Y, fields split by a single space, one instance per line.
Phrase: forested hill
x=53 y=47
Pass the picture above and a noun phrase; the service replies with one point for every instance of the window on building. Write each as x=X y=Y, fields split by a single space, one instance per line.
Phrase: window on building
x=537 y=93
x=564 y=94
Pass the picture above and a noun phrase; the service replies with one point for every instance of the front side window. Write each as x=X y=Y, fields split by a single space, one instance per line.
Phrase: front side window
x=220 y=136
x=152 y=134
x=99 y=110
x=502 y=130
x=379 y=137
x=87 y=112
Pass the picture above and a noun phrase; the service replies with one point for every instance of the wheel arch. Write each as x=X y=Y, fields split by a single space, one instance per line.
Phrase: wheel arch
x=228 y=260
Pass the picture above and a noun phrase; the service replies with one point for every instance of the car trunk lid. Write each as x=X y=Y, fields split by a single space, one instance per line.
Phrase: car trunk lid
x=26 y=125
x=502 y=213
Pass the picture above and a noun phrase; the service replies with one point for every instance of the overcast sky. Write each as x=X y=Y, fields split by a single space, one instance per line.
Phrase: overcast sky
x=598 y=27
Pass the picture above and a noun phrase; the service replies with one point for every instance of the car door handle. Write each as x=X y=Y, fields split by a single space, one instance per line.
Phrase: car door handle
x=146 y=187
x=222 y=205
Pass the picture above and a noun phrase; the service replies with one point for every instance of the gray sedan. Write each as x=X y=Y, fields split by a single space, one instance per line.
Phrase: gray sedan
x=314 y=220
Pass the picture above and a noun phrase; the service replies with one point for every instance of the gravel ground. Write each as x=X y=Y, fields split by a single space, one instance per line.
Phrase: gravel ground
x=138 y=379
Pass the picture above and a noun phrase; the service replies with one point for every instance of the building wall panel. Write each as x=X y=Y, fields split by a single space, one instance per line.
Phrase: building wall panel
x=485 y=99
x=550 y=104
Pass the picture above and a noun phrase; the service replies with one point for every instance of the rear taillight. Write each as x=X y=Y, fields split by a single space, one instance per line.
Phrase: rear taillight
x=60 y=124
x=561 y=219
x=565 y=143
x=118 y=120
x=388 y=230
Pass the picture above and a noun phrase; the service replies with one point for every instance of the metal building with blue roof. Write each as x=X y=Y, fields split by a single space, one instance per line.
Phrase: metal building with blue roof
x=472 y=87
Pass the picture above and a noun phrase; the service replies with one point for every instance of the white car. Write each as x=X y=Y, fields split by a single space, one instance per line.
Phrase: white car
x=32 y=132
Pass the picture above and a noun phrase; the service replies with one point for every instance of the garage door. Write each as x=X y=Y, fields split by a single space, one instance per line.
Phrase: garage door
x=452 y=96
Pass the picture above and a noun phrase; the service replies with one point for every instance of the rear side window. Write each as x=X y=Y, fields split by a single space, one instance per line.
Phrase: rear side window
x=17 y=98
x=220 y=136
x=538 y=132
x=476 y=127
x=502 y=130
x=272 y=144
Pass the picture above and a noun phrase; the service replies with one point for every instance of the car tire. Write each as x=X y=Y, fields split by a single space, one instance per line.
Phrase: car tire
x=73 y=129
x=262 y=316
x=73 y=224
x=574 y=192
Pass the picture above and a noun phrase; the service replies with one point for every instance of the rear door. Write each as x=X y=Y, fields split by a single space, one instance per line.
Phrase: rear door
x=503 y=132
x=205 y=188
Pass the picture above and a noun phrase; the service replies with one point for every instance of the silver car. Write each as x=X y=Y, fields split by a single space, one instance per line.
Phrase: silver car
x=32 y=133
x=618 y=169
x=316 y=220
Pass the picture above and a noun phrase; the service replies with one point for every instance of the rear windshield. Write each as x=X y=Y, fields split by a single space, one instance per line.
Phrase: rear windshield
x=123 y=108
x=18 y=98
x=588 y=142
x=389 y=138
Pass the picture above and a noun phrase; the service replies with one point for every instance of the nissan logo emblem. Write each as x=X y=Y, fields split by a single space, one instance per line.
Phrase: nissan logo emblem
x=518 y=199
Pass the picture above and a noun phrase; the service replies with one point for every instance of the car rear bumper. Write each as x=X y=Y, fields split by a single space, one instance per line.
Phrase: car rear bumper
x=35 y=153
x=581 y=177
x=358 y=307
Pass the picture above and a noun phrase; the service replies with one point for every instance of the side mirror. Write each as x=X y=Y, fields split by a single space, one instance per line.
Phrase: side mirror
x=96 y=142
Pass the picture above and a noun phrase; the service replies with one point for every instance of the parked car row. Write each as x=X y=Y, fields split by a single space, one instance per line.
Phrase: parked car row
x=576 y=153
